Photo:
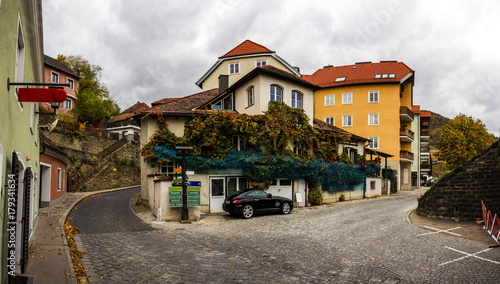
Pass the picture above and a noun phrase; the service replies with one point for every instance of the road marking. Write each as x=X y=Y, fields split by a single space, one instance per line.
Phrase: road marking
x=440 y=231
x=468 y=255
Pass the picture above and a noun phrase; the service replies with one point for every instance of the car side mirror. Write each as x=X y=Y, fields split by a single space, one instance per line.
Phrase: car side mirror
x=269 y=195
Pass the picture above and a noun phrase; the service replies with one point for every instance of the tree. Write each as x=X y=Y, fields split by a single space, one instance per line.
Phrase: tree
x=462 y=138
x=94 y=104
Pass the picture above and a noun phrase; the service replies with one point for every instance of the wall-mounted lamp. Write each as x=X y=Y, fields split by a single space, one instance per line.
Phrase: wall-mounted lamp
x=53 y=105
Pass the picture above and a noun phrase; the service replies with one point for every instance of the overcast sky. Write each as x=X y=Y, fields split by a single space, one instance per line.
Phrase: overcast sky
x=153 y=49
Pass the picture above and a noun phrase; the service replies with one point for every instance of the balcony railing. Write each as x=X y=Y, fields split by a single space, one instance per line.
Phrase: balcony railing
x=405 y=114
x=406 y=135
x=406 y=155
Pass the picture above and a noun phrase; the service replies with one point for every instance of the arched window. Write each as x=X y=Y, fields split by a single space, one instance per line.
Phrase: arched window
x=250 y=96
x=297 y=100
x=276 y=94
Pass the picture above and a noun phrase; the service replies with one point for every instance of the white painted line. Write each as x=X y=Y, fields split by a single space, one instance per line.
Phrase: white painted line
x=468 y=255
x=440 y=231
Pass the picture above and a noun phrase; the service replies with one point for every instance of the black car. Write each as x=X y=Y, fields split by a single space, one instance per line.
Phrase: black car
x=247 y=203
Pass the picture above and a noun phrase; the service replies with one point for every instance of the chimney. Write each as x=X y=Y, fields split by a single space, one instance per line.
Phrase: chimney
x=223 y=83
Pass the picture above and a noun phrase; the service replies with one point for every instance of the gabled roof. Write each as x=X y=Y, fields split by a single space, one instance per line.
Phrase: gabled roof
x=130 y=112
x=361 y=73
x=267 y=70
x=185 y=105
x=319 y=124
x=54 y=63
x=247 y=47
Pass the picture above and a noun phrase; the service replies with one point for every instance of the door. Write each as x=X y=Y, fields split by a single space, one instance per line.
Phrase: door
x=217 y=189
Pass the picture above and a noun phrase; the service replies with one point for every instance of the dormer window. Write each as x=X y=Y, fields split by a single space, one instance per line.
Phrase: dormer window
x=224 y=104
x=340 y=79
x=234 y=68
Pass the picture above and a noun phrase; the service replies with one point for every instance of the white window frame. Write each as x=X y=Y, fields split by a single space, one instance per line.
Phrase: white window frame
x=71 y=83
x=374 y=143
x=296 y=103
x=59 y=179
x=260 y=62
x=347 y=120
x=271 y=95
x=373 y=119
x=250 y=96
x=52 y=74
x=67 y=104
x=330 y=120
x=347 y=98
x=234 y=68
x=330 y=100
x=371 y=98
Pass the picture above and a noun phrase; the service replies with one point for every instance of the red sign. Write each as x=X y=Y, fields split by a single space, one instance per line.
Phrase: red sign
x=41 y=95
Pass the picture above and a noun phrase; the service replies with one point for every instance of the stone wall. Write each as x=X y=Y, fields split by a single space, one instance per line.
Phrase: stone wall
x=88 y=171
x=458 y=195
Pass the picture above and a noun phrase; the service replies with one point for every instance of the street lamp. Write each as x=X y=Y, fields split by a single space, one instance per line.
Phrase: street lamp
x=184 y=151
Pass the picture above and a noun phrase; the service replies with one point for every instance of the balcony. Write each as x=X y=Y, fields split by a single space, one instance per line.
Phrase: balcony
x=406 y=135
x=405 y=114
x=406 y=156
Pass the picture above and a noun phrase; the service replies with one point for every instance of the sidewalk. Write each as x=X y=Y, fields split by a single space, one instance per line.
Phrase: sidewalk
x=49 y=259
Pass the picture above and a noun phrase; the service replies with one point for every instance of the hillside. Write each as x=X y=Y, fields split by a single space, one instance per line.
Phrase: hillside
x=437 y=122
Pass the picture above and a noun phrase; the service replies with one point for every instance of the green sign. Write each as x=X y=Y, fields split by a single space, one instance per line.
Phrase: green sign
x=193 y=195
x=175 y=196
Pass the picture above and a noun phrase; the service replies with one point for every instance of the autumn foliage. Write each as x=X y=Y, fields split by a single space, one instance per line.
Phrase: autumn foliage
x=461 y=139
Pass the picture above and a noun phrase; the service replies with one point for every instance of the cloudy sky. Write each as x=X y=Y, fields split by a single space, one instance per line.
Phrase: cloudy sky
x=153 y=49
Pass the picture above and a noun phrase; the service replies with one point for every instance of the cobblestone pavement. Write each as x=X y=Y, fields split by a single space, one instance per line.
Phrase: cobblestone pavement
x=369 y=241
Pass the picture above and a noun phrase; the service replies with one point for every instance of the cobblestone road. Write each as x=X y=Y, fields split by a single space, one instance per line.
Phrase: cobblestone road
x=367 y=241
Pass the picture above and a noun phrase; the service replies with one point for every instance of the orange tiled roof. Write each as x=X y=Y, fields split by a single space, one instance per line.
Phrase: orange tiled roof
x=247 y=47
x=128 y=113
x=186 y=104
x=389 y=71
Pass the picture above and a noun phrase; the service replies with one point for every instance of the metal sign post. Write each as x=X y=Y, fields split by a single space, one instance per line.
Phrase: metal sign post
x=184 y=151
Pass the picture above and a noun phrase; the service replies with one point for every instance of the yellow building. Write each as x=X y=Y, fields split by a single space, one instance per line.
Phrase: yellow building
x=373 y=100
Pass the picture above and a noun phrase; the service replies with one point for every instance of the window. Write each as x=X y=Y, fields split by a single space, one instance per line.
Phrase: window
x=19 y=68
x=373 y=97
x=340 y=79
x=296 y=99
x=54 y=77
x=347 y=98
x=260 y=62
x=71 y=83
x=373 y=185
x=329 y=100
x=374 y=143
x=234 y=68
x=167 y=168
x=297 y=148
x=224 y=104
x=347 y=120
x=67 y=104
x=276 y=94
x=330 y=120
x=373 y=119
x=59 y=179
x=251 y=96
x=236 y=183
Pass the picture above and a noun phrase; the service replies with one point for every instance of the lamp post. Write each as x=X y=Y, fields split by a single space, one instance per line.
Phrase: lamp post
x=184 y=151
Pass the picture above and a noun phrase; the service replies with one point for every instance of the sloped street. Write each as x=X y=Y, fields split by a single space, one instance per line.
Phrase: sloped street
x=368 y=241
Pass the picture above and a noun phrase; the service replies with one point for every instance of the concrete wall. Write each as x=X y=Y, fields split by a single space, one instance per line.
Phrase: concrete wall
x=458 y=195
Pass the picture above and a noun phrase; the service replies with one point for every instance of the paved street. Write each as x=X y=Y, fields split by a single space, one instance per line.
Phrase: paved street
x=367 y=241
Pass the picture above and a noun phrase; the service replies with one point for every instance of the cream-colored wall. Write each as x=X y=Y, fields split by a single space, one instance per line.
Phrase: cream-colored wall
x=262 y=86
x=247 y=64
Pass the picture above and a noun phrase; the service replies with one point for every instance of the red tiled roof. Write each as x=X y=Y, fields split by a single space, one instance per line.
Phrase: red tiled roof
x=128 y=113
x=247 y=47
x=415 y=109
x=186 y=104
x=359 y=73
x=164 y=101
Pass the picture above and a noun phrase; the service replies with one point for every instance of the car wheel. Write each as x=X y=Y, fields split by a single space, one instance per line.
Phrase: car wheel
x=247 y=211
x=285 y=208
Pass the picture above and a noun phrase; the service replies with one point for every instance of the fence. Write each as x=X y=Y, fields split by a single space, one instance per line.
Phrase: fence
x=491 y=224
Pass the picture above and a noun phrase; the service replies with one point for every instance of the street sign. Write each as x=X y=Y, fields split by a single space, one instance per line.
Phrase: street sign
x=175 y=196
x=193 y=196
x=194 y=183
